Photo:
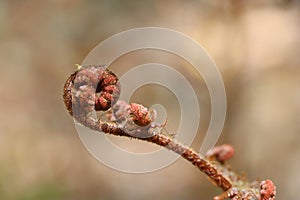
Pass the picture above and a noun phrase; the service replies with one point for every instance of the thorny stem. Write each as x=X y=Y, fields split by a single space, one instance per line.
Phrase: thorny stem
x=212 y=165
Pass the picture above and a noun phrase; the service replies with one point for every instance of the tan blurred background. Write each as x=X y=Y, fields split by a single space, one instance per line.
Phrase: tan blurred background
x=255 y=44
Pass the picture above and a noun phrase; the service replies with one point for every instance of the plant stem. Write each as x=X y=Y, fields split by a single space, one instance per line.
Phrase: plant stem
x=187 y=153
x=82 y=96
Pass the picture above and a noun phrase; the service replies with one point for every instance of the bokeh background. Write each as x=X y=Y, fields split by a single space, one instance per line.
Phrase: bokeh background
x=255 y=44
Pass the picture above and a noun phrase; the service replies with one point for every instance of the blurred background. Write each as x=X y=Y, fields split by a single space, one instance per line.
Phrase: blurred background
x=255 y=44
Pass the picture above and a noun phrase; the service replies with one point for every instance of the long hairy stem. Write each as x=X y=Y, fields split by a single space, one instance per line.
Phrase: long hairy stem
x=80 y=100
x=159 y=139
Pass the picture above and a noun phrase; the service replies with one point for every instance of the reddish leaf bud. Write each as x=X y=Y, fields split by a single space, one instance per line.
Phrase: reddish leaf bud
x=221 y=153
x=140 y=115
x=267 y=190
